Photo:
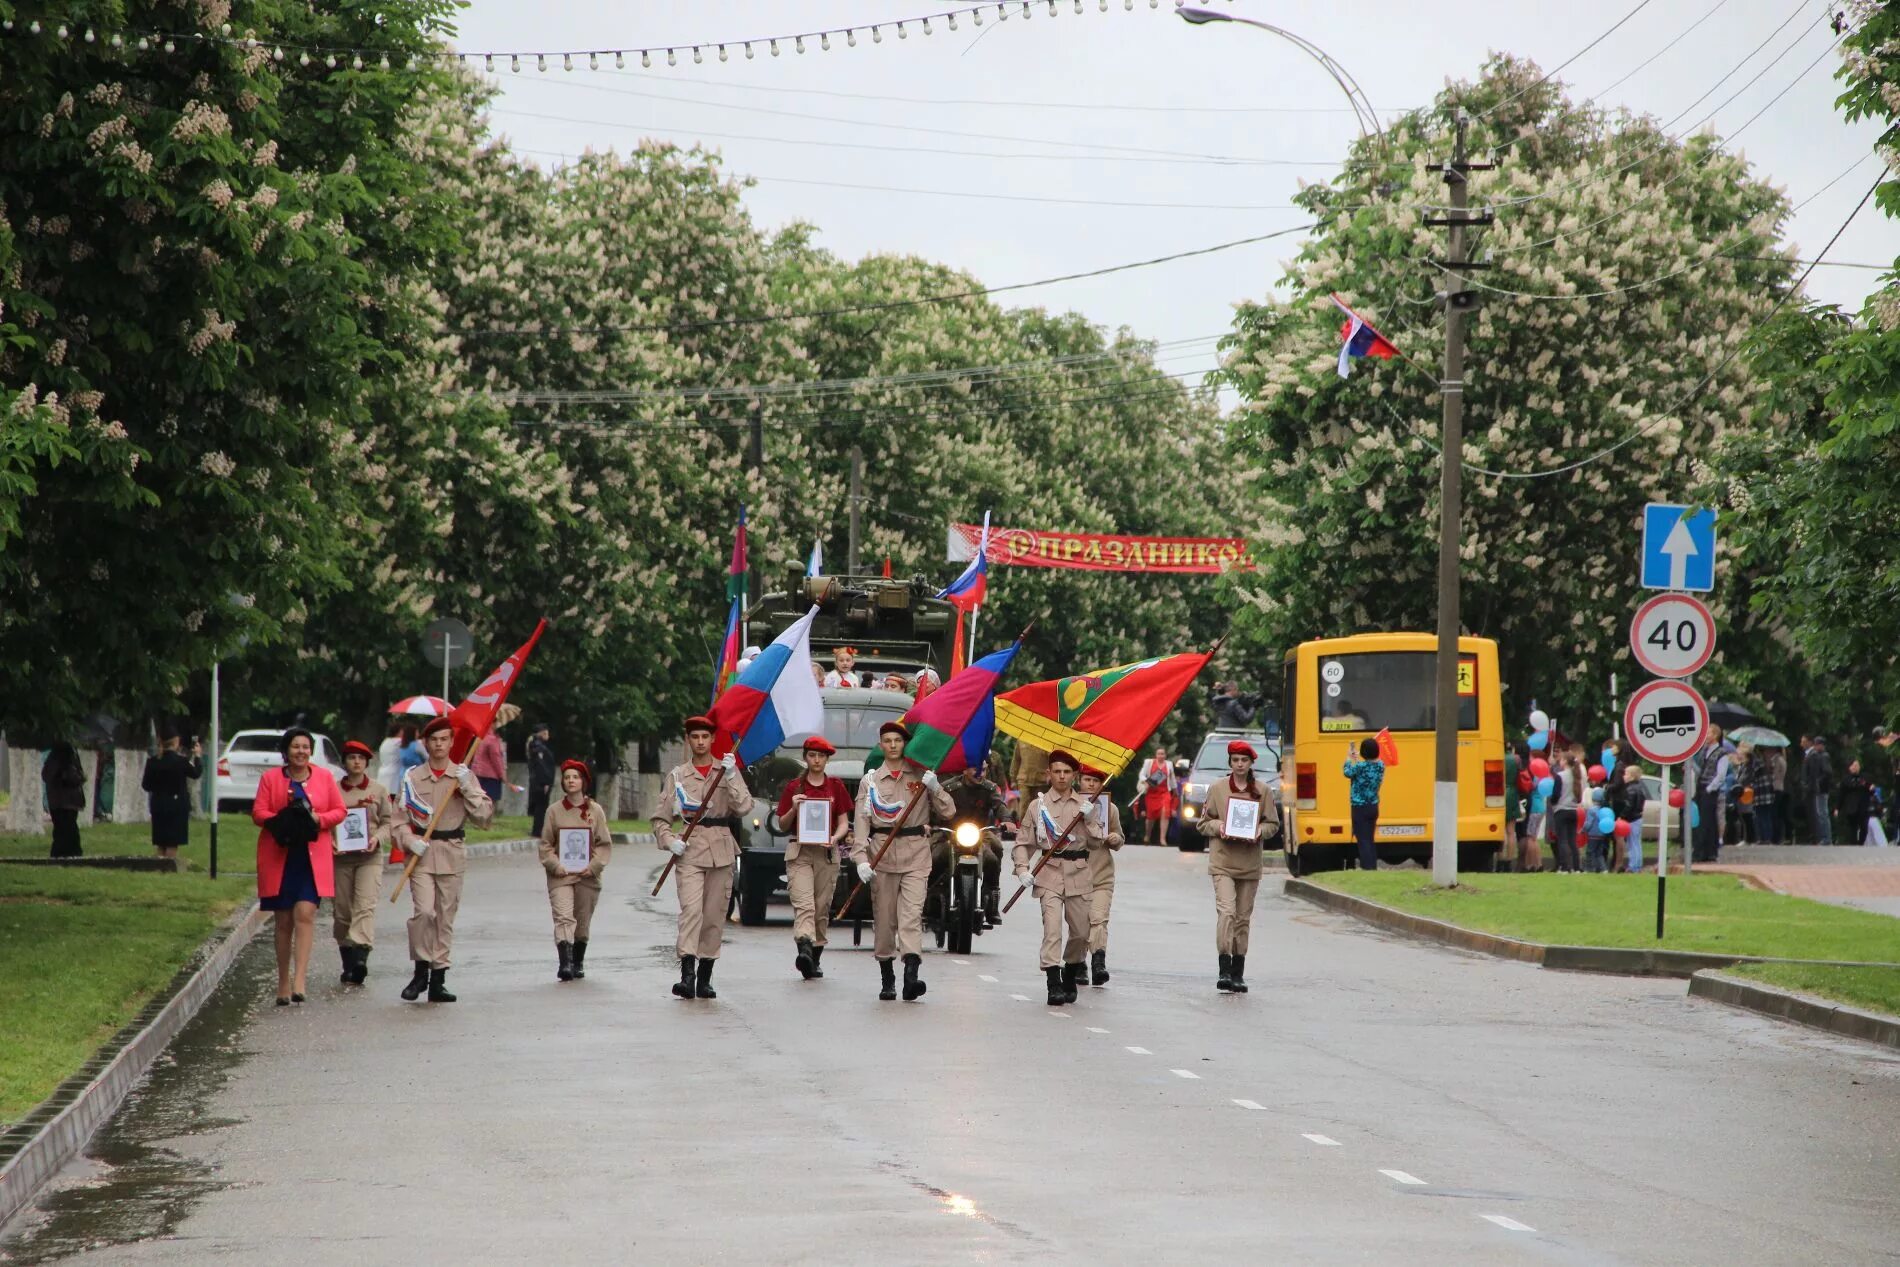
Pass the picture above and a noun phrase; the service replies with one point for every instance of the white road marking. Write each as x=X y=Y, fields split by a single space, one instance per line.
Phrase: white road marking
x=1059 y=1015
x=1096 y=1029
x=1509 y=1225
x=1399 y=1176
x=1141 y=1051
x=1322 y=1140
x=1020 y=998
x=1185 y=1073
x=964 y=962
x=1252 y=1104
x=984 y=976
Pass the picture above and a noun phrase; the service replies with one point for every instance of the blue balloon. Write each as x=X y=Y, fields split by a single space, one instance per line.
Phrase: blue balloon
x=1545 y=786
x=1608 y=760
x=1695 y=816
x=1606 y=821
x=1539 y=740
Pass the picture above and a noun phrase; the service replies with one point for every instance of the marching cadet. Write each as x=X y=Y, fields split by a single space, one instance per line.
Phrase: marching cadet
x=1067 y=879
x=435 y=886
x=811 y=871
x=1234 y=861
x=702 y=872
x=900 y=878
x=1103 y=831
x=359 y=872
x=572 y=895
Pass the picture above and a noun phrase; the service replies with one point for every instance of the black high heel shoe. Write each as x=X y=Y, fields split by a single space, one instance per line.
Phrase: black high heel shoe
x=296 y=998
x=283 y=1002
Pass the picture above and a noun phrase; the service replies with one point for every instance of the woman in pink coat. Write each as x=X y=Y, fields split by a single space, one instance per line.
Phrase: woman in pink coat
x=297 y=805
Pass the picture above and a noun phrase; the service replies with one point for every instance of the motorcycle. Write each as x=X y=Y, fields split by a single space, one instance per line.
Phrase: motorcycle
x=955 y=910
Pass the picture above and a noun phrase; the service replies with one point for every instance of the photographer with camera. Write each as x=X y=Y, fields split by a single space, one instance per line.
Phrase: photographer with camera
x=167 y=782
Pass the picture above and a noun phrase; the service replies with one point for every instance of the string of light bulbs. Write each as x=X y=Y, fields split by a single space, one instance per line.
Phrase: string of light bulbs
x=360 y=58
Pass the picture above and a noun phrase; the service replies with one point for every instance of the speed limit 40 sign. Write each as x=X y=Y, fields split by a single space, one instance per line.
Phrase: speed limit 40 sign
x=1673 y=635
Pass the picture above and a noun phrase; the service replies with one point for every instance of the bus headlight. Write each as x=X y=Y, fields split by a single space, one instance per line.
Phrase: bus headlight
x=968 y=836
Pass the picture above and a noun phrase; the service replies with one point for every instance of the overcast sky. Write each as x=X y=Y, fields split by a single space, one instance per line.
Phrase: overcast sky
x=1068 y=110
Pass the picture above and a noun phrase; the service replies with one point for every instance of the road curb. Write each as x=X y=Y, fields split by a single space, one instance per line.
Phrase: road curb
x=1802 y=1009
x=1613 y=960
x=41 y=1143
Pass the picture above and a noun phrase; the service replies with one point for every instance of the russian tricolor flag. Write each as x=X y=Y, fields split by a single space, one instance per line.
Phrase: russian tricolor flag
x=969 y=589
x=774 y=698
x=1360 y=339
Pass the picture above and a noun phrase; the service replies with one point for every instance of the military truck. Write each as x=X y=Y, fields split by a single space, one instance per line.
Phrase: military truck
x=897 y=627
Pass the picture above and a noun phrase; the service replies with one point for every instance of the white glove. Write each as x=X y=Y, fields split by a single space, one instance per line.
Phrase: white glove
x=865 y=873
x=458 y=772
x=1022 y=875
x=418 y=846
x=729 y=763
x=930 y=779
x=678 y=847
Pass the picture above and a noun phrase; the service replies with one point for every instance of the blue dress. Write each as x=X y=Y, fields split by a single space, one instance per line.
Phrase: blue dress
x=300 y=882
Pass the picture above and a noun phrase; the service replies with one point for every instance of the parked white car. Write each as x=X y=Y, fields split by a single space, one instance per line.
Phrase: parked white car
x=249 y=754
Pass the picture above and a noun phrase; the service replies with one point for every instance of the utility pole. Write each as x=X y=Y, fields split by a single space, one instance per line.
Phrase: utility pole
x=856 y=497
x=755 y=457
x=1458 y=303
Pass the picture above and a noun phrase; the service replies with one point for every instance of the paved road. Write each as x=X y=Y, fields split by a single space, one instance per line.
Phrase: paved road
x=1372 y=1101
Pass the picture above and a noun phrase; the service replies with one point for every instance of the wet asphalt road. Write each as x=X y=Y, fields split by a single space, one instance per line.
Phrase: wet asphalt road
x=1371 y=1101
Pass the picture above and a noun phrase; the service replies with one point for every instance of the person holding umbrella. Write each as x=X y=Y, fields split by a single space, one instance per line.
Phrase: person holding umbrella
x=576 y=846
x=296 y=807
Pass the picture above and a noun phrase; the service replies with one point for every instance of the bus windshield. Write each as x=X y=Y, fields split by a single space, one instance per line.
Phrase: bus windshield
x=1390 y=690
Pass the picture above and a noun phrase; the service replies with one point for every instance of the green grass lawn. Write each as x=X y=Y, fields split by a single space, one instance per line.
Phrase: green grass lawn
x=237 y=840
x=1715 y=913
x=1875 y=989
x=81 y=951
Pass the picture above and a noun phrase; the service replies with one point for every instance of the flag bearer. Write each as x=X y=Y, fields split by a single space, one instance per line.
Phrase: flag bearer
x=900 y=878
x=1103 y=831
x=435 y=887
x=359 y=873
x=1234 y=861
x=572 y=895
x=1065 y=883
x=811 y=871
x=703 y=870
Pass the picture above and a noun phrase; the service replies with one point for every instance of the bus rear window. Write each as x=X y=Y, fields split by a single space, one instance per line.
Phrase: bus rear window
x=1389 y=690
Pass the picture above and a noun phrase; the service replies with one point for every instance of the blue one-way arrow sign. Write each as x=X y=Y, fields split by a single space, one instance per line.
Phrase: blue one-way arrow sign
x=1678 y=548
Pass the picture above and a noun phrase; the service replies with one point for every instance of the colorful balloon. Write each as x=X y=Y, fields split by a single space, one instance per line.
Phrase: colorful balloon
x=1622 y=829
x=1545 y=786
x=1540 y=720
x=1540 y=768
x=1606 y=821
x=1539 y=741
x=1598 y=774
x=1676 y=798
x=1609 y=760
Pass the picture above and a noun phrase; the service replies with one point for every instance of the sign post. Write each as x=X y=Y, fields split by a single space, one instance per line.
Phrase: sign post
x=448 y=644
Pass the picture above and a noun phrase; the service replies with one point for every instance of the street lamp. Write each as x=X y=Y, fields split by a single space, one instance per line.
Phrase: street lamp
x=1362 y=110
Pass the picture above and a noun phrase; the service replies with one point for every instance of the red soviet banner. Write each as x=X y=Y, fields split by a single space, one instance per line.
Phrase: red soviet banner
x=1101 y=552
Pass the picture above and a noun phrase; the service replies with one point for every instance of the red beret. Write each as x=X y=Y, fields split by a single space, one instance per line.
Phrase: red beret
x=1090 y=772
x=435 y=724
x=818 y=743
x=698 y=722
x=893 y=728
x=360 y=748
x=1065 y=758
x=587 y=775
x=1241 y=748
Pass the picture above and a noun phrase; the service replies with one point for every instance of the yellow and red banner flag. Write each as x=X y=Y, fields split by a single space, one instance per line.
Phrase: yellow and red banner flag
x=1104 y=717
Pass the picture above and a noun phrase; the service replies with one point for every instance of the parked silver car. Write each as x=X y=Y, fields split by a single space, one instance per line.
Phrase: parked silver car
x=249 y=754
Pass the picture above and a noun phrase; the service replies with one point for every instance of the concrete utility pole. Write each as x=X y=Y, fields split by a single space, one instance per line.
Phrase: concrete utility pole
x=1458 y=303
x=856 y=497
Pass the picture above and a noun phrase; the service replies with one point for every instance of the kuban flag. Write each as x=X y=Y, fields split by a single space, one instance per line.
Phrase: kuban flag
x=475 y=716
x=1360 y=339
x=774 y=698
x=951 y=728
x=1105 y=717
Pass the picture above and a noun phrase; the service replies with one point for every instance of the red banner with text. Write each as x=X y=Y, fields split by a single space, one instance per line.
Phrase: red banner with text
x=1101 y=552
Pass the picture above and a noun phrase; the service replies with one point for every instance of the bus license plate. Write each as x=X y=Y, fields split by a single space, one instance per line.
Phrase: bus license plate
x=1408 y=829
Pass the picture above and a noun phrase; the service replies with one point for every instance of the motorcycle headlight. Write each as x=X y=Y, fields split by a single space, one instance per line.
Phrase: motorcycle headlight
x=968 y=835
x=1187 y=812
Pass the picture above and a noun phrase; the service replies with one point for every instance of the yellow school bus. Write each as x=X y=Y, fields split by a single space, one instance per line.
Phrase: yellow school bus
x=1342 y=690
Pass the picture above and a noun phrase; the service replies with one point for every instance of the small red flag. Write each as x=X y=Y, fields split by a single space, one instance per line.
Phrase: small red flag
x=887 y=567
x=1388 y=748
x=474 y=716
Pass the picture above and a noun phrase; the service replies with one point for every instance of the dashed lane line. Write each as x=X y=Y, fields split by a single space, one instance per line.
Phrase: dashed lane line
x=962 y=962
x=1324 y=1141
x=1399 y=1176
x=1255 y=1105
x=1140 y=1051
x=1508 y=1224
x=1097 y=1029
x=984 y=976
x=1020 y=998
x=1185 y=1073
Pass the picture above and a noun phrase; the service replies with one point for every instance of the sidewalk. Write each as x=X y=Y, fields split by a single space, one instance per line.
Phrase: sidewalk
x=1867 y=879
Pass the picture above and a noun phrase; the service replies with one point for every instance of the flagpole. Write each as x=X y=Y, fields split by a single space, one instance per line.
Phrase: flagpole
x=969 y=654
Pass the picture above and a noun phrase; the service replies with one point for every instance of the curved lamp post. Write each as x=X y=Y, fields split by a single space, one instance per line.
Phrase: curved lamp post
x=1355 y=96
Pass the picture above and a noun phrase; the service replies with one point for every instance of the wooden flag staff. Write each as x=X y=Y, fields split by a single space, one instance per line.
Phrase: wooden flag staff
x=704 y=804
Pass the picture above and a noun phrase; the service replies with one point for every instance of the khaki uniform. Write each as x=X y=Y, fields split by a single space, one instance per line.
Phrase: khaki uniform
x=1235 y=865
x=435 y=886
x=811 y=871
x=1063 y=886
x=572 y=895
x=897 y=890
x=703 y=875
x=359 y=876
x=1102 y=871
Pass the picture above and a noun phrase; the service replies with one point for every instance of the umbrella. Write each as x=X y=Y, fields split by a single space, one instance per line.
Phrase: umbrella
x=1760 y=736
x=421 y=706
x=1729 y=716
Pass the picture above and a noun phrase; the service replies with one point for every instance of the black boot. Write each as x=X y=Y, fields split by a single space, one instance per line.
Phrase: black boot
x=1226 y=981
x=806 y=962
x=704 y=990
x=347 y=953
x=888 y=973
x=580 y=954
x=1239 y=985
x=566 y=954
x=991 y=914
x=1058 y=992
x=913 y=988
x=1072 y=976
x=418 y=983
x=817 y=958
x=684 y=986
x=438 y=986
x=362 y=965
x=1098 y=967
